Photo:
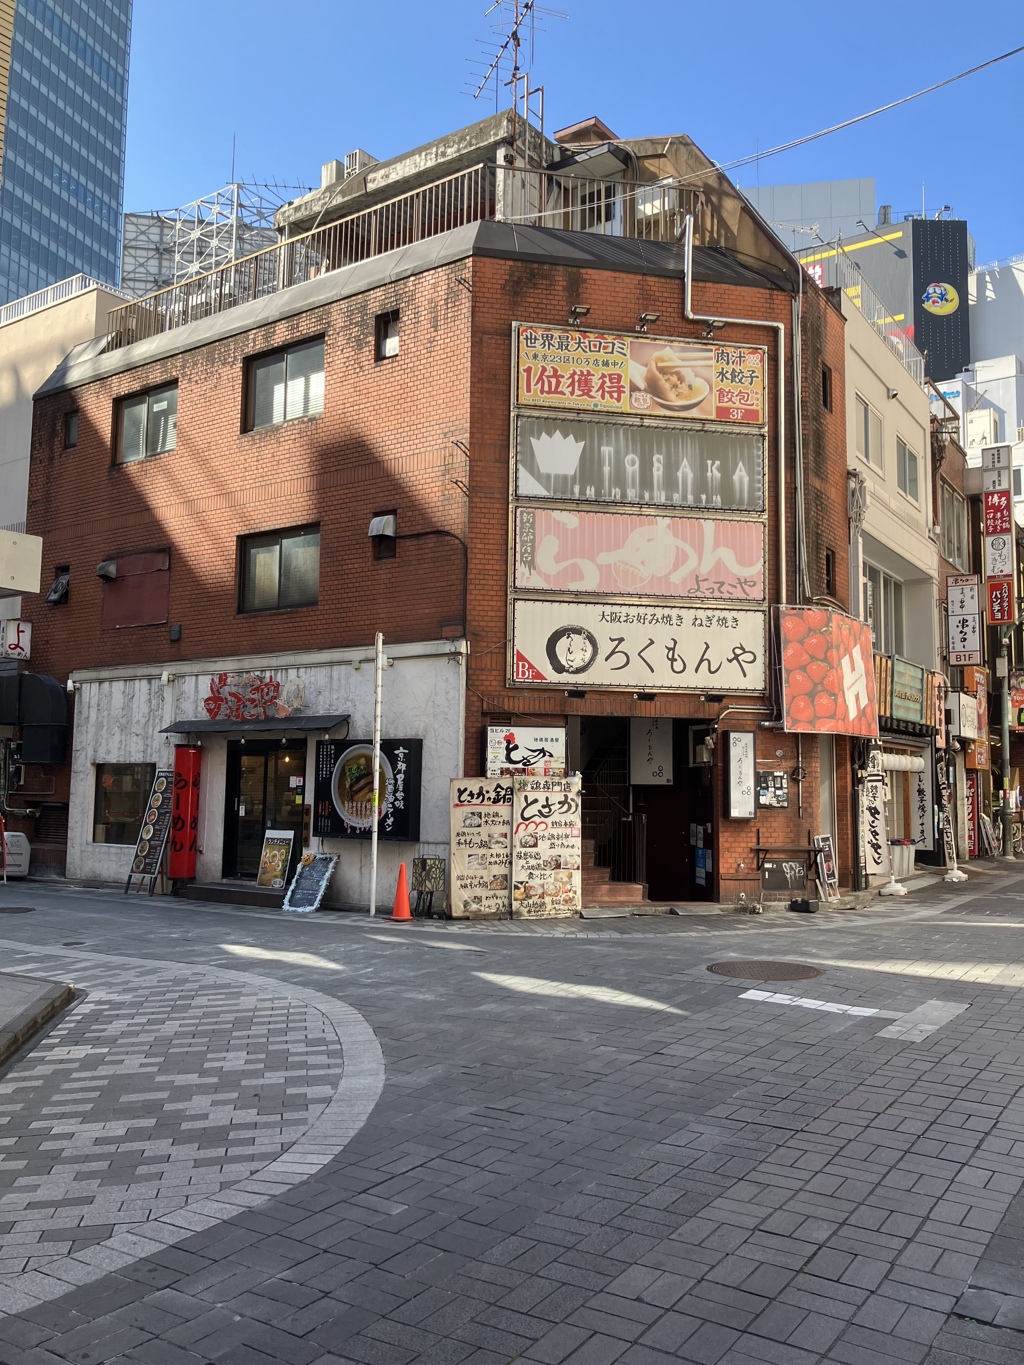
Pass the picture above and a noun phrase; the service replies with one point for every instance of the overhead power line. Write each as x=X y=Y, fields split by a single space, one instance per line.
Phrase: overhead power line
x=860 y=118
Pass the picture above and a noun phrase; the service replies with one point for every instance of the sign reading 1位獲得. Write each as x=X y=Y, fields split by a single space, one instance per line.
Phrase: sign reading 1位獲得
x=647 y=376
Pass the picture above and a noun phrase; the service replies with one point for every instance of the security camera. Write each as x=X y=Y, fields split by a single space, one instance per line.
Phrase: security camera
x=894 y=393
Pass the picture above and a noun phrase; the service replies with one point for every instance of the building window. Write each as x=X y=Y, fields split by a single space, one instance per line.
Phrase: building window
x=147 y=424
x=830 y=573
x=883 y=610
x=122 y=794
x=869 y=433
x=906 y=469
x=826 y=387
x=953 y=525
x=386 y=332
x=280 y=569
x=286 y=385
x=1018 y=481
x=60 y=587
x=70 y=430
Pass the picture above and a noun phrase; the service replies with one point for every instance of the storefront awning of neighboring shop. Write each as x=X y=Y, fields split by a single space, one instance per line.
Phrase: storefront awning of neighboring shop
x=279 y=725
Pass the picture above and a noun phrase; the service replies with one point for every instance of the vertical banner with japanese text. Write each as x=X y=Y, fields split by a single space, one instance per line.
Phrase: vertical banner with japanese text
x=546 y=847
x=481 y=842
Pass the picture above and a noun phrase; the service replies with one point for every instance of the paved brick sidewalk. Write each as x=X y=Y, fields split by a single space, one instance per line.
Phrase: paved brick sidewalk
x=591 y=1150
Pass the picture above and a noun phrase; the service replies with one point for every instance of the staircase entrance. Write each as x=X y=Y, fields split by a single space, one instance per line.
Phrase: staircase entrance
x=643 y=842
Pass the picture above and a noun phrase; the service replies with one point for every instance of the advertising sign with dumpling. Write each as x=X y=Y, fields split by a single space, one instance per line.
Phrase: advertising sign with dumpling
x=640 y=375
x=828 y=675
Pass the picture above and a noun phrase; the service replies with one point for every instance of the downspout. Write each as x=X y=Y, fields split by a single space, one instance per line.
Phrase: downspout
x=780 y=329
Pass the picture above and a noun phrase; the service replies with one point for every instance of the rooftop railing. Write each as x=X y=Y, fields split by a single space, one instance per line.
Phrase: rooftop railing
x=650 y=212
x=833 y=269
x=54 y=293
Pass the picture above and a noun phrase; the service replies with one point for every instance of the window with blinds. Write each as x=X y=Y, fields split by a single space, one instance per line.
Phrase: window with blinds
x=286 y=384
x=147 y=424
x=280 y=569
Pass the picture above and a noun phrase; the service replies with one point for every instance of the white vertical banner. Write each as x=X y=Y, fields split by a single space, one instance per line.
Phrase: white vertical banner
x=650 y=751
x=922 y=808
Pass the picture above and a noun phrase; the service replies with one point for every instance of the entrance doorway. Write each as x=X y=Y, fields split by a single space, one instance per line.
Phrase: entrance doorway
x=264 y=790
x=642 y=833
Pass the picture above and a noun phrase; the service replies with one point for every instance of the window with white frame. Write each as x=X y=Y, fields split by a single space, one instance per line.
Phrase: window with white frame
x=883 y=610
x=953 y=524
x=907 y=466
x=869 y=432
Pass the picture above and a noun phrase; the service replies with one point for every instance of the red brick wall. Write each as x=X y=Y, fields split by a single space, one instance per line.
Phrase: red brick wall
x=388 y=440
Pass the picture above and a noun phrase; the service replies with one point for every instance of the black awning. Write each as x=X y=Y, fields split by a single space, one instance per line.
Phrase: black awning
x=282 y=724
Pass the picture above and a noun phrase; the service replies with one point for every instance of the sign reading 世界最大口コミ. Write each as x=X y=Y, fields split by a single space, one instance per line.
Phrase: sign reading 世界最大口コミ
x=640 y=375
x=828 y=676
x=646 y=648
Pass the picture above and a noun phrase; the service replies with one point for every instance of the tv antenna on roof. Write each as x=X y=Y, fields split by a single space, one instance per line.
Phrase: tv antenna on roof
x=516 y=25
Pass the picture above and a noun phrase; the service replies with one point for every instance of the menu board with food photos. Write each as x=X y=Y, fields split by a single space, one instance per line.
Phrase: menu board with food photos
x=481 y=827
x=149 y=847
x=546 y=847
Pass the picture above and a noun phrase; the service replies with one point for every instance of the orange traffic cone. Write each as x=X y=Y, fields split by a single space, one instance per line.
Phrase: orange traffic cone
x=401 y=911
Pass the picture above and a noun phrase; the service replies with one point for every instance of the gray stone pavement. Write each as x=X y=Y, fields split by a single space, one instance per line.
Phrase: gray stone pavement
x=586 y=1148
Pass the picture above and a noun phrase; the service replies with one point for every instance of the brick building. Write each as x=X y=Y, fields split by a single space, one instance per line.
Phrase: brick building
x=492 y=439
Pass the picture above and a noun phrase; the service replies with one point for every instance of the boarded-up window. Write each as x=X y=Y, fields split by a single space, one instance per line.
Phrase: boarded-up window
x=140 y=594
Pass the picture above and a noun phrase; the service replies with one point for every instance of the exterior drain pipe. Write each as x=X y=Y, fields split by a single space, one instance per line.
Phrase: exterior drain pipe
x=780 y=329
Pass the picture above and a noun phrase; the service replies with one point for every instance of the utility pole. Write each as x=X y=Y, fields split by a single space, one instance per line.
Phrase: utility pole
x=1004 y=678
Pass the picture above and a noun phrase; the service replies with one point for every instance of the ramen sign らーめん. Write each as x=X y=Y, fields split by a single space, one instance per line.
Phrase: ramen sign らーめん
x=343 y=790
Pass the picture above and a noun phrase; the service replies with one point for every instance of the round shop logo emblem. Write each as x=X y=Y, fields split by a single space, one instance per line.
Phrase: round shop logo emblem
x=571 y=649
x=941 y=299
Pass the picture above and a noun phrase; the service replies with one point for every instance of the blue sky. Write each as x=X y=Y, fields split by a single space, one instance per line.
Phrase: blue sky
x=299 y=84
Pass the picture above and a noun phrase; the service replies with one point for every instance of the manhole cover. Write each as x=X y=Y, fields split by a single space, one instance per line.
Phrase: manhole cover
x=765 y=971
x=17 y=909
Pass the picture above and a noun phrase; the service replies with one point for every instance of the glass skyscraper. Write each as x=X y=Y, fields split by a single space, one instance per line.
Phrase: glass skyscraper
x=62 y=178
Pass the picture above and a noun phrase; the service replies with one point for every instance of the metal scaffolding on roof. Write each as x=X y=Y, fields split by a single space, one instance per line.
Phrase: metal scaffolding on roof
x=166 y=247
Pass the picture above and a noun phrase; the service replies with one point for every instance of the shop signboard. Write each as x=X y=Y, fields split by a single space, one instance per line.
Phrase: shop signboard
x=546 y=847
x=828 y=677
x=1017 y=700
x=570 y=644
x=481 y=846
x=999 y=556
x=646 y=376
x=149 y=846
x=650 y=751
x=998 y=512
x=938 y=689
x=181 y=860
x=963 y=619
x=579 y=460
x=976 y=752
x=874 y=835
x=343 y=789
x=963 y=715
x=525 y=750
x=993 y=479
x=922 y=808
x=908 y=691
x=1000 y=601
x=652 y=556
x=739 y=756
x=16 y=639
x=972 y=806
x=274 y=858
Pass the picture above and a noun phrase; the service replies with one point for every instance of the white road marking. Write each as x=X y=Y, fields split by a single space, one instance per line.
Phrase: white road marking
x=919 y=1023
x=776 y=998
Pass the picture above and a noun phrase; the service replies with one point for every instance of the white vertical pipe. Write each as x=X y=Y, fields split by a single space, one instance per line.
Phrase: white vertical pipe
x=378 y=688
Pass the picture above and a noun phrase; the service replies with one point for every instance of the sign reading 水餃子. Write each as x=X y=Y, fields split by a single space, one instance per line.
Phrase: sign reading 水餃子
x=546 y=847
x=620 y=553
x=481 y=846
x=644 y=376
x=645 y=648
x=527 y=750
